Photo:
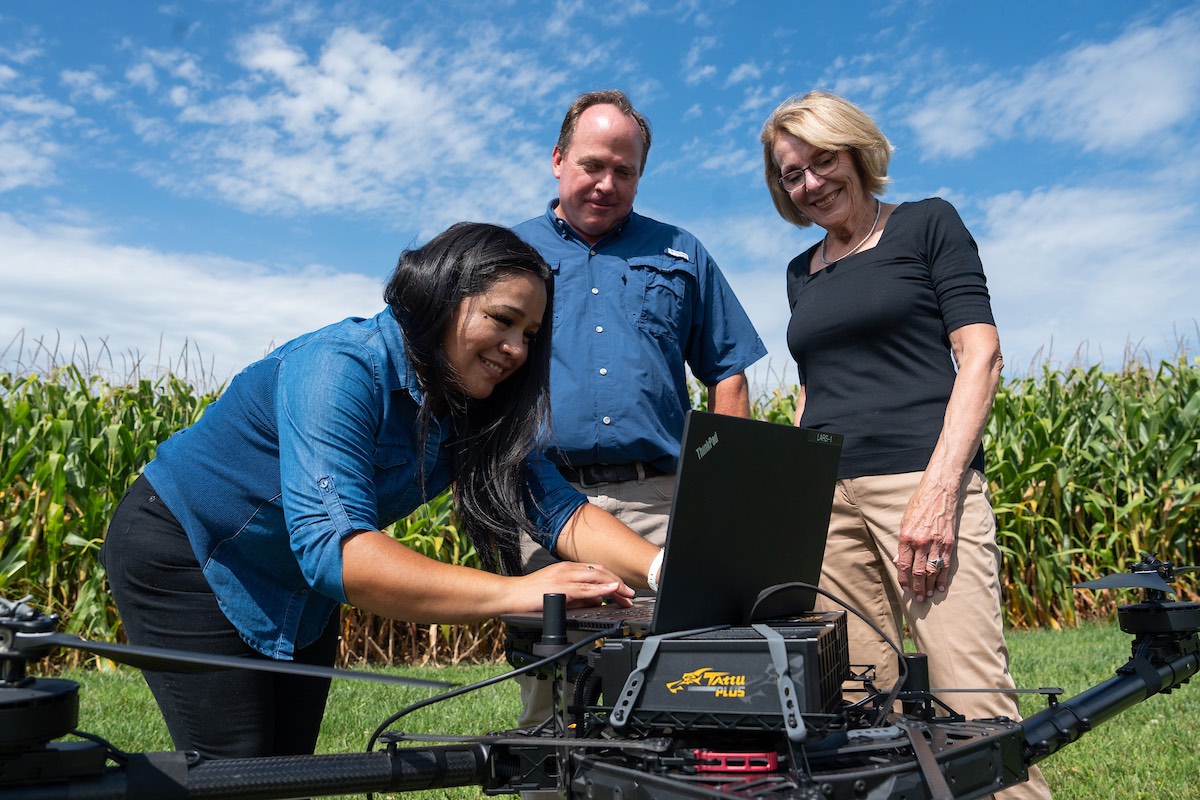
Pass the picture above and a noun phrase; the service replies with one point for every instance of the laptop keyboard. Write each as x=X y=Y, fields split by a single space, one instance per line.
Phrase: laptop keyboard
x=637 y=613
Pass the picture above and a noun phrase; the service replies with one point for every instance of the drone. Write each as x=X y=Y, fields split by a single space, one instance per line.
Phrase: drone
x=757 y=712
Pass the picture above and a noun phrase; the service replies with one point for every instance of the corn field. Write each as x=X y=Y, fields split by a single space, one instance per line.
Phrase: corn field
x=1086 y=468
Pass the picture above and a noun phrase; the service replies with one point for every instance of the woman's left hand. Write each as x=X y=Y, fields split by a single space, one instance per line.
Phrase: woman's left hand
x=583 y=584
x=927 y=534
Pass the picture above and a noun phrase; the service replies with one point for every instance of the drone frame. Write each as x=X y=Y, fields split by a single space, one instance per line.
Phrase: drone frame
x=920 y=754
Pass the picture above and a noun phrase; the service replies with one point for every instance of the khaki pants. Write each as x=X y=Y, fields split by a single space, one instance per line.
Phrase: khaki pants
x=961 y=631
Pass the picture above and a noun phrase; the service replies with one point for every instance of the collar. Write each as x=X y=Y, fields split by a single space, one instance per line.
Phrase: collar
x=564 y=229
x=405 y=374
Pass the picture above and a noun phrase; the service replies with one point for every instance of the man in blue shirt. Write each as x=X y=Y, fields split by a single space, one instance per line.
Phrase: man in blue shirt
x=637 y=302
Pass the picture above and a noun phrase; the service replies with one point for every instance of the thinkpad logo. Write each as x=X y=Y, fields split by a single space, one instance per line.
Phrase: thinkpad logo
x=709 y=444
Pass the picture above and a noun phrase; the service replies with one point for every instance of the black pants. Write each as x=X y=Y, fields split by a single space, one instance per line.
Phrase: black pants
x=165 y=601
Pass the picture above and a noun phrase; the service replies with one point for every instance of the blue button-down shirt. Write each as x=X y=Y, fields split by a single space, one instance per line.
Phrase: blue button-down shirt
x=629 y=312
x=311 y=444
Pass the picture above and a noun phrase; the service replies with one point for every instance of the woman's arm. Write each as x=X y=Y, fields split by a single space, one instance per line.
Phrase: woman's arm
x=381 y=575
x=928 y=529
x=594 y=536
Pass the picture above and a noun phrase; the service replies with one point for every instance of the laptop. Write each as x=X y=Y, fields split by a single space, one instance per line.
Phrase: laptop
x=750 y=511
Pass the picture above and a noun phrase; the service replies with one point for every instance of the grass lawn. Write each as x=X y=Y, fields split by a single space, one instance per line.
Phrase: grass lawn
x=1149 y=753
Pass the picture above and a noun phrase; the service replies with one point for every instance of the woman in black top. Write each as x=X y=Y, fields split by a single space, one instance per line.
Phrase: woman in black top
x=892 y=332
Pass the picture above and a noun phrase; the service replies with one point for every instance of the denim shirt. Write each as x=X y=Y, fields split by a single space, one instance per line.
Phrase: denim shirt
x=311 y=444
x=631 y=313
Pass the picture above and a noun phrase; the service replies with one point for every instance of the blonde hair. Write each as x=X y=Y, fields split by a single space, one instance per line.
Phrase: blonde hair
x=830 y=122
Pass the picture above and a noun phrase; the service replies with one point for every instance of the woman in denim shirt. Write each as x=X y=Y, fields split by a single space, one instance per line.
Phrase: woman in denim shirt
x=251 y=527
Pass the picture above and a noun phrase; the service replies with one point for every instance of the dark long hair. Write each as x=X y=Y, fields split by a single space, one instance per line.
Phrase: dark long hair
x=492 y=436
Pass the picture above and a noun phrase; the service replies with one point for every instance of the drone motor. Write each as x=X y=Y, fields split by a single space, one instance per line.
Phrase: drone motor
x=32 y=711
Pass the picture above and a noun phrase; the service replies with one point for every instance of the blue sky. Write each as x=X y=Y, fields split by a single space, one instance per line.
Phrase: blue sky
x=185 y=185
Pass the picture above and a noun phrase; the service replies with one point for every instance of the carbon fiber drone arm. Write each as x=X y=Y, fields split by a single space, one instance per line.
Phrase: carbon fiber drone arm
x=1166 y=654
x=179 y=776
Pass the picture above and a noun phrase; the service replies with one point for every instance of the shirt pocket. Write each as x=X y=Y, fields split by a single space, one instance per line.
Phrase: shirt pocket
x=397 y=484
x=390 y=456
x=664 y=307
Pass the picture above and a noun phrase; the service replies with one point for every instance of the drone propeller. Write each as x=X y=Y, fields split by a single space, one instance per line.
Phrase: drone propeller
x=1149 y=573
x=1124 y=580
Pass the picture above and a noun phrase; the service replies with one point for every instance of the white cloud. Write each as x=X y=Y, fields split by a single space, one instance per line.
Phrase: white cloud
x=26 y=159
x=363 y=127
x=723 y=156
x=742 y=73
x=178 y=69
x=35 y=105
x=1130 y=91
x=22 y=54
x=561 y=21
x=565 y=20
x=28 y=123
x=86 y=84
x=1083 y=267
x=221 y=313
x=179 y=96
x=954 y=122
x=142 y=75
x=694 y=70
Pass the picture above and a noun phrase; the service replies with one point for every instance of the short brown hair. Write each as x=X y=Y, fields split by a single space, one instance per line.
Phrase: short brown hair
x=606 y=97
x=830 y=122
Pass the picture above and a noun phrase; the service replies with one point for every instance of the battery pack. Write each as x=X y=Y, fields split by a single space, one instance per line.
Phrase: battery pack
x=726 y=679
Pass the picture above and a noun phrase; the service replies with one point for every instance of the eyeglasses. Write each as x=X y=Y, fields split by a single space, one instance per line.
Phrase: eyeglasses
x=821 y=166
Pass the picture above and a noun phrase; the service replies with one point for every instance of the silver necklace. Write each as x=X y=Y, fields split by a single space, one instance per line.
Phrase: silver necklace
x=853 y=250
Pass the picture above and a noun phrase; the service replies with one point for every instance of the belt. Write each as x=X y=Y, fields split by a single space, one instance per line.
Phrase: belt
x=594 y=474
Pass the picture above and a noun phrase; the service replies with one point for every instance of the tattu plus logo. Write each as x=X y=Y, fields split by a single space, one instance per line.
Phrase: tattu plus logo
x=706 y=679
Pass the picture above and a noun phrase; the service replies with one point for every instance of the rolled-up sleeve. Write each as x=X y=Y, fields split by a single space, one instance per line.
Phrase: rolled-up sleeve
x=550 y=500
x=328 y=411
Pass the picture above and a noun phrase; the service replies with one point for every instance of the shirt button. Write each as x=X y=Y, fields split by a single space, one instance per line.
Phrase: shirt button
x=593 y=252
x=599 y=329
x=595 y=290
x=603 y=371
x=607 y=420
x=323 y=483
